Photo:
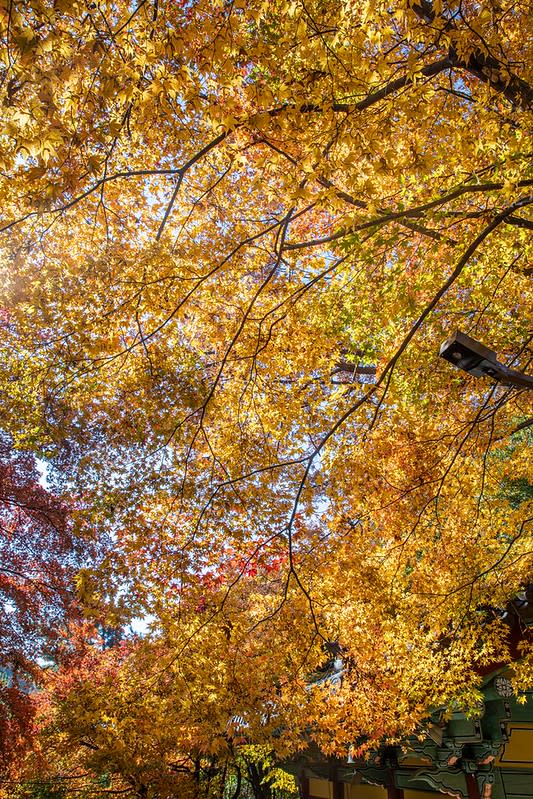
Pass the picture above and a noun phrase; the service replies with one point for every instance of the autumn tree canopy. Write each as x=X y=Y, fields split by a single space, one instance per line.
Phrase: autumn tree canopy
x=234 y=236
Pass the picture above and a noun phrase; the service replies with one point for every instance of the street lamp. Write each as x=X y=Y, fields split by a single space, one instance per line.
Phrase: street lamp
x=476 y=359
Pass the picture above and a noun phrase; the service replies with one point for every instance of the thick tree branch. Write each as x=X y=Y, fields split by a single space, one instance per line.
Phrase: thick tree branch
x=417 y=211
x=489 y=70
x=482 y=65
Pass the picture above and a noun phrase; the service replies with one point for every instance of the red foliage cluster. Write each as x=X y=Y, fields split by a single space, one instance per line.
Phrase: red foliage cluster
x=39 y=556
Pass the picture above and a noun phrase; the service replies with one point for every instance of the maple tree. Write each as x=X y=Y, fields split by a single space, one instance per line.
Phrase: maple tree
x=108 y=723
x=39 y=556
x=235 y=236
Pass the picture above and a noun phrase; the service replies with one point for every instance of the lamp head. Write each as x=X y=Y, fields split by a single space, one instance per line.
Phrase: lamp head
x=468 y=354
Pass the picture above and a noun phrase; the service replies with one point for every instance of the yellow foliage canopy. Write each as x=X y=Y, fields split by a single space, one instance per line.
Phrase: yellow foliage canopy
x=234 y=237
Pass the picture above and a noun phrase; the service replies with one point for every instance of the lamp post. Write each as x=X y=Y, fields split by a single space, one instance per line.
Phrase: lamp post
x=473 y=357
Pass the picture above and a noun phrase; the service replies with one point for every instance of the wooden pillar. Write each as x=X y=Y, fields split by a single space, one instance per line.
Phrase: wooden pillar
x=338 y=790
x=393 y=792
x=303 y=787
x=472 y=786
